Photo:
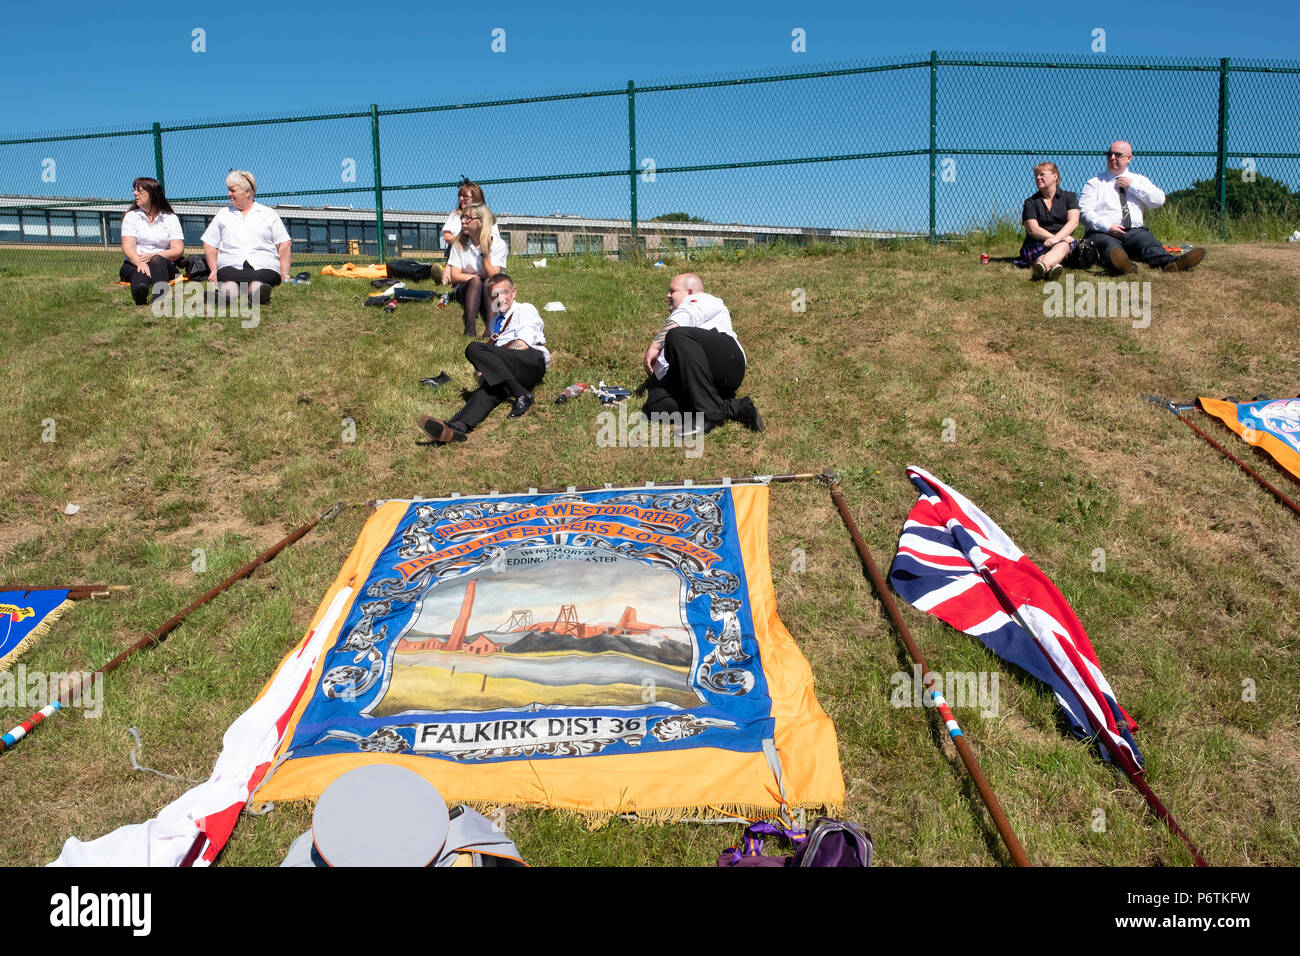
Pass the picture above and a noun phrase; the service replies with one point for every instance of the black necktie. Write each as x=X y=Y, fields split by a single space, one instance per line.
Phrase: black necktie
x=1126 y=219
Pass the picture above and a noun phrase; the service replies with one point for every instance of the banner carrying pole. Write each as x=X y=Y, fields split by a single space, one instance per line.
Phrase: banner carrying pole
x=1131 y=770
x=932 y=687
x=1176 y=411
x=156 y=636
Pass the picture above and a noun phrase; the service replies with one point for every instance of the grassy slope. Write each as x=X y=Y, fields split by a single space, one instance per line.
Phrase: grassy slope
x=174 y=435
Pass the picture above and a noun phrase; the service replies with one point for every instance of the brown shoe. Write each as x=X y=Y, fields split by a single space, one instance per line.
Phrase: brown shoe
x=1119 y=261
x=435 y=273
x=438 y=430
x=1054 y=273
x=1037 y=271
x=1187 y=260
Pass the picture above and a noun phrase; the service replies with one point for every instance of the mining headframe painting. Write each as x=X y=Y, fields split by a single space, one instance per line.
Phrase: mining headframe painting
x=534 y=630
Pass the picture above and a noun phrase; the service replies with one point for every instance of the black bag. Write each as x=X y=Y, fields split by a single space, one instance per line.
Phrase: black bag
x=1085 y=255
x=409 y=269
x=195 y=267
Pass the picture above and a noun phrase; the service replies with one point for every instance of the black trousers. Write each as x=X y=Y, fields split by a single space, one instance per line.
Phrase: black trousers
x=246 y=273
x=161 y=270
x=501 y=367
x=704 y=370
x=1138 y=242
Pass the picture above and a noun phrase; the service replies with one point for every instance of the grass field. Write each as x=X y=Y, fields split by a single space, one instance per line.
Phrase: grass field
x=183 y=439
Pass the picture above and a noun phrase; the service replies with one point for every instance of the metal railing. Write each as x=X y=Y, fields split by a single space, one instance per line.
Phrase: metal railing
x=928 y=147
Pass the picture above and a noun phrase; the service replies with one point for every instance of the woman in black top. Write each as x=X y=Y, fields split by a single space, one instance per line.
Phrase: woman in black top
x=1050 y=217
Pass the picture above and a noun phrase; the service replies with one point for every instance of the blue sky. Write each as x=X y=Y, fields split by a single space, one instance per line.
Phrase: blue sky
x=79 y=64
x=76 y=66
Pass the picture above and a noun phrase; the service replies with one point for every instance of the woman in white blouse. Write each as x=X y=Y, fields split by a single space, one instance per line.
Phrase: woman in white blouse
x=246 y=244
x=152 y=241
x=478 y=254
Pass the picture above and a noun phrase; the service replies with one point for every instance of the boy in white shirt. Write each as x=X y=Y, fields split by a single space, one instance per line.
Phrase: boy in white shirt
x=509 y=366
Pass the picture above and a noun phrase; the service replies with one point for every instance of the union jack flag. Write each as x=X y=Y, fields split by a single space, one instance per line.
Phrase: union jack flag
x=954 y=562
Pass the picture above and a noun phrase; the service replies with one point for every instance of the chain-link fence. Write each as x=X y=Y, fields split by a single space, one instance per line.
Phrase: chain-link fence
x=929 y=147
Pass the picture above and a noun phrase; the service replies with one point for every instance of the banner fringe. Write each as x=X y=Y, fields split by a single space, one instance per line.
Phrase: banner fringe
x=37 y=633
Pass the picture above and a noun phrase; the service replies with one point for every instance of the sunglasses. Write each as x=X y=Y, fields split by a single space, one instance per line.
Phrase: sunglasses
x=1113 y=153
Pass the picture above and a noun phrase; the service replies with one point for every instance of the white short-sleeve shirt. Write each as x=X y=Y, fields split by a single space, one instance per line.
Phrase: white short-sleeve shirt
x=250 y=237
x=523 y=322
x=699 y=310
x=154 y=237
x=470 y=257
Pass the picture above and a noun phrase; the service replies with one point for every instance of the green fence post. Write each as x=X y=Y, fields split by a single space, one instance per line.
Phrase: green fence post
x=379 y=180
x=157 y=156
x=934 y=126
x=1221 y=176
x=631 y=157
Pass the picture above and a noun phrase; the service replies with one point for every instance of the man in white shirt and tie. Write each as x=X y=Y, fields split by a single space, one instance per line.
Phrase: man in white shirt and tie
x=1112 y=207
x=507 y=367
x=697 y=360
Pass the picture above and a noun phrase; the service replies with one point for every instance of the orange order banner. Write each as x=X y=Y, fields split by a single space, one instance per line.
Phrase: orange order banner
x=596 y=665
x=1273 y=425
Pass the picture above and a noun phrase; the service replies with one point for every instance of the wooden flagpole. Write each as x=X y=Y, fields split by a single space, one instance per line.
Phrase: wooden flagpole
x=1133 y=772
x=1175 y=410
x=156 y=636
x=932 y=687
x=76 y=592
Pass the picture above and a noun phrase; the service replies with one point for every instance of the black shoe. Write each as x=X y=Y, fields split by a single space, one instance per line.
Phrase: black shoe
x=437 y=381
x=748 y=415
x=1187 y=260
x=438 y=430
x=1119 y=261
x=263 y=294
x=521 y=405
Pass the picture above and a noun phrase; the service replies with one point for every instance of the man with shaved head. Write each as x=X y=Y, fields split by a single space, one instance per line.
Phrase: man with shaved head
x=697 y=360
x=1112 y=207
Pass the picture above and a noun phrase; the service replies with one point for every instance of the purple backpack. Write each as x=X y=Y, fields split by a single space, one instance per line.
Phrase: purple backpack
x=827 y=843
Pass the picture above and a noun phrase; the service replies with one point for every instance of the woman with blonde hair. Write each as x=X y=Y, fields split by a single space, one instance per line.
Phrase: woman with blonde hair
x=1050 y=217
x=246 y=244
x=478 y=254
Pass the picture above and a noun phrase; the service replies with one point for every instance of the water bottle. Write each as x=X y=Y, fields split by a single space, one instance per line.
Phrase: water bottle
x=573 y=391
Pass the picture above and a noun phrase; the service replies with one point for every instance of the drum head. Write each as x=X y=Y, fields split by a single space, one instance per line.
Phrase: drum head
x=380 y=815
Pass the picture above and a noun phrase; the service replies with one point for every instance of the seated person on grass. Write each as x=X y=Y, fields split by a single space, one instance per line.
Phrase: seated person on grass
x=509 y=366
x=246 y=244
x=1050 y=217
x=697 y=362
x=478 y=254
x=1113 y=206
x=152 y=241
